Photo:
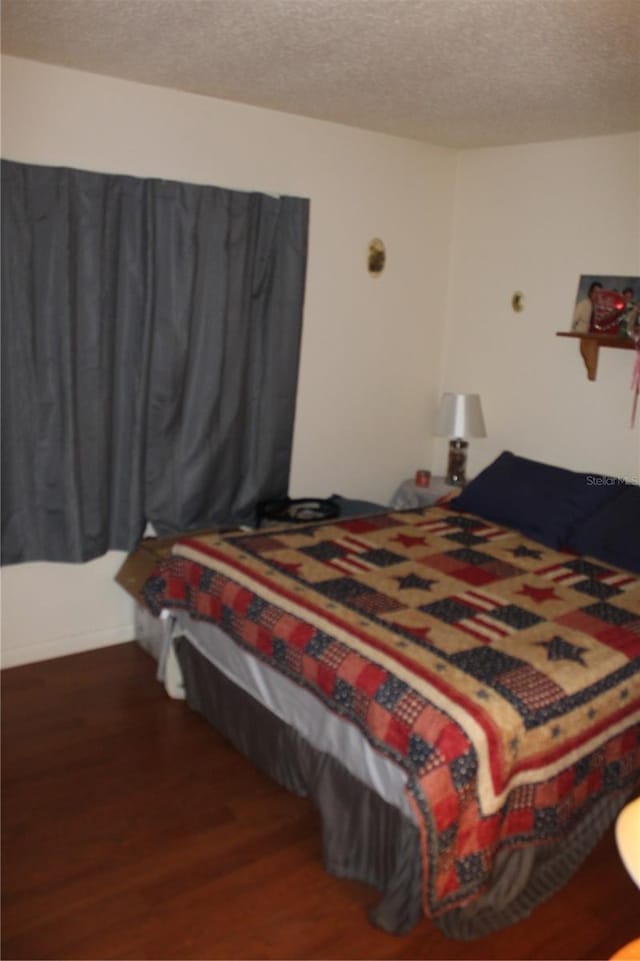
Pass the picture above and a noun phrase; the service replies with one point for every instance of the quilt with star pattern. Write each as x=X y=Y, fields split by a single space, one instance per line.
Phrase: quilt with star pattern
x=501 y=675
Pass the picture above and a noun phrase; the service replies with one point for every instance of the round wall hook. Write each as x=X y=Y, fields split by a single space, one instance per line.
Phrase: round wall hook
x=517 y=301
x=376 y=257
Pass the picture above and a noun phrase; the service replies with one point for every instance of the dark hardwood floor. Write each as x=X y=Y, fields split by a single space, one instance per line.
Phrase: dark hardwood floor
x=132 y=830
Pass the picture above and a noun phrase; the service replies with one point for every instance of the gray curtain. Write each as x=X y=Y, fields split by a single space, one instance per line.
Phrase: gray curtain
x=150 y=344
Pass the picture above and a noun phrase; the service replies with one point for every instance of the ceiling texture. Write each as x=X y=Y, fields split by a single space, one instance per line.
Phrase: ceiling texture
x=459 y=73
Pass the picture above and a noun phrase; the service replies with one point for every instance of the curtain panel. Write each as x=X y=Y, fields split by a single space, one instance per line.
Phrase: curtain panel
x=150 y=345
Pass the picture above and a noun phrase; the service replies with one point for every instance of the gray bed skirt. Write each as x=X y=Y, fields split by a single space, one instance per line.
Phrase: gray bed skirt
x=365 y=838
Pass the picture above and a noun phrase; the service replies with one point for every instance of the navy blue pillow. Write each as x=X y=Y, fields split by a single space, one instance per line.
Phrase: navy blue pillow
x=542 y=502
x=612 y=534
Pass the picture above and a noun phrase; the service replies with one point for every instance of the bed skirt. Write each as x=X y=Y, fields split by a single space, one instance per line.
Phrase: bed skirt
x=366 y=839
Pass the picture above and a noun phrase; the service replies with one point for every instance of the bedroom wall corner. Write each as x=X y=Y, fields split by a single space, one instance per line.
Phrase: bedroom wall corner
x=534 y=218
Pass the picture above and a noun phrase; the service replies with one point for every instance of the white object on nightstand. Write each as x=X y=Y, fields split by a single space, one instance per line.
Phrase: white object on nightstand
x=410 y=495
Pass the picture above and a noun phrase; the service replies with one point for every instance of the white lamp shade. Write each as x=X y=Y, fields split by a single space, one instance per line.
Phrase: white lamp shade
x=460 y=415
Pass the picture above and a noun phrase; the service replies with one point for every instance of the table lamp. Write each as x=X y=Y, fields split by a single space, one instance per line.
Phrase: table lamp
x=459 y=416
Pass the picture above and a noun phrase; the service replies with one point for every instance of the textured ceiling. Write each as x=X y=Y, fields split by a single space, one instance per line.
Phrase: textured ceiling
x=452 y=72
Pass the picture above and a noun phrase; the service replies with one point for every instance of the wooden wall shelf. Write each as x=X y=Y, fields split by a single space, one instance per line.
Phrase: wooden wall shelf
x=590 y=345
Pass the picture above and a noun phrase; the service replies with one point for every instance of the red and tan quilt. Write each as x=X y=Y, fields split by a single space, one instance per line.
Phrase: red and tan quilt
x=504 y=677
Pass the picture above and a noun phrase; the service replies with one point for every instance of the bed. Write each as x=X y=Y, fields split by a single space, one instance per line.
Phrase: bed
x=456 y=687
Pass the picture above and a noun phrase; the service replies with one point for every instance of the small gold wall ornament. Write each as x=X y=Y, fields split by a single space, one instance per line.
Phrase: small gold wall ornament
x=377 y=256
x=517 y=301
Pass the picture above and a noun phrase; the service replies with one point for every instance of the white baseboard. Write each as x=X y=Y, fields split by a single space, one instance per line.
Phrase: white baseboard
x=12 y=657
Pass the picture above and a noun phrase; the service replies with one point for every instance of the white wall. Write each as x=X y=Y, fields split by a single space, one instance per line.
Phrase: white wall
x=529 y=218
x=371 y=349
x=533 y=218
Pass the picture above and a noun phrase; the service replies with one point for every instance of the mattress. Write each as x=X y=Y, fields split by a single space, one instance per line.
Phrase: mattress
x=295 y=706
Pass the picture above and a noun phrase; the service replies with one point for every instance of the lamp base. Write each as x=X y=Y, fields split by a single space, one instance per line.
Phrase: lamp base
x=457 y=466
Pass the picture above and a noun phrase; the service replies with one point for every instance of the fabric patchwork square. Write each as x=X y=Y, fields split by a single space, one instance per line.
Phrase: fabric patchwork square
x=430 y=724
x=522 y=797
x=500 y=570
x=516 y=617
x=374 y=603
x=324 y=551
x=546 y=822
x=444 y=563
x=293 y=659
x=205 y=579
x=369 y=678
x=466 y=555
x=360 y=705
x=613 y=777
x=464 y=769
x=279 y=651
x=486 y=663
x=257 y=608
x=625 y=640
x=470 y=869
x=528 y=689
x=343 y=693
x=397 y=735
x=381 y=557
x=358 y=596
x=610 y=614
x=325 y=677
x=334 y=654
x=596 y=588
x=444 y=809
x=318 y=643
x=297 y=633
x=342 y=589
x=581 y=622
x=409 y=706
x=449 y=609
x=390 y=691
x=270 y=617
x=477 y=576
x=582 y=769
x=519 y=822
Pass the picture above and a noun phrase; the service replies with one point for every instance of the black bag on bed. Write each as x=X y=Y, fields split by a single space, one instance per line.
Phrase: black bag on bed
x=299 y=510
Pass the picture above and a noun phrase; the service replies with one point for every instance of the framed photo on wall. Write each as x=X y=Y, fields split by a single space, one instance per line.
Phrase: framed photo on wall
x=607 y=305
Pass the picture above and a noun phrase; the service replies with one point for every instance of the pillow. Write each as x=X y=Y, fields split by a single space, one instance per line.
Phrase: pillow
x=542 y=502
x=612 y=534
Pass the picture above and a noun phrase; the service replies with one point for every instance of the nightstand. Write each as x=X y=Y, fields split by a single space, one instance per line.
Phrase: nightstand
x=410 y=495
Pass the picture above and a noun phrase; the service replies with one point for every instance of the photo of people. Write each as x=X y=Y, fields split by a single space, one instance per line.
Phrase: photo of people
x=607 y=305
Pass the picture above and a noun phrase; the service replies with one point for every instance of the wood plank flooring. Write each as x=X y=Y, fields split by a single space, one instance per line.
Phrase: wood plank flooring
x=132 y=830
